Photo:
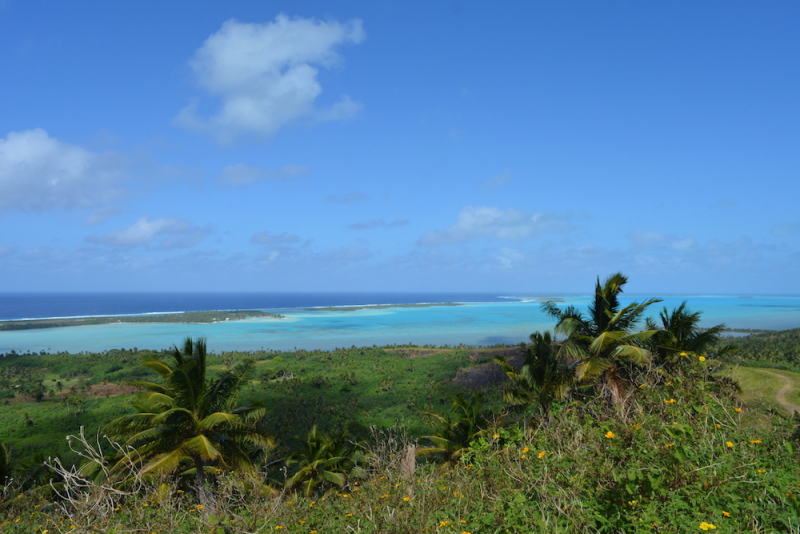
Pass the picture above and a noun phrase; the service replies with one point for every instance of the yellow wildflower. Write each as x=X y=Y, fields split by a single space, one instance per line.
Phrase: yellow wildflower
x=444 y=523
x=495 y=436
x=541 y=454
x=345 y=495
x=761 y=470
x=738 y=410
x=199 y=506
x=685 y=355
x=707 y=526
x=348 y=515
x=755 y=441
x=726 y=514
x=610 y=435
x=384 y=496
x=406 y=499
x=729 y=444
x=702 y=359
x=670 y=401
x=525 y=450
x=669 y=444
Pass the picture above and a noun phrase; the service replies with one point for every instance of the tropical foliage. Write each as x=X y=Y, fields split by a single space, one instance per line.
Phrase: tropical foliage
x=189 y=423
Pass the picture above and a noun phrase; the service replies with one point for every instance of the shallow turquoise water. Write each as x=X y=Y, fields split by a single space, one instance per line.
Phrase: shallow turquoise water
x=470 y=324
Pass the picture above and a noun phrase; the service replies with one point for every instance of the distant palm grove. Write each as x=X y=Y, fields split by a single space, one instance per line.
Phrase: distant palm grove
x=622 y=419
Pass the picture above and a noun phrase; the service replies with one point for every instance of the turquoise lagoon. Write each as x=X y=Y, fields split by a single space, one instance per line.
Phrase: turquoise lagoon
x=477 y=324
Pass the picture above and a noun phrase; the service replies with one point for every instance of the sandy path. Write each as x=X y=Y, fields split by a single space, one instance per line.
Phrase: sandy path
x=780 y=396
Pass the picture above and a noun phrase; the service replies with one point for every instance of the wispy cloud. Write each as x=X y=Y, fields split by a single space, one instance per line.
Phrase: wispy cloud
x=377 y=223
x=265 y=238
x=495 y=182
x=165 y=233
x=493 y=223
x=266 y=75
x=242 y=175
x=350 y=198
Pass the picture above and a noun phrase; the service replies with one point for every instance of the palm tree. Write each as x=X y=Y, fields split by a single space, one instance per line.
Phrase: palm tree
x=680 y=335
x=456 y=429
x=601 y=344
x=322 y=460
x=191 y=423
x=543 y=377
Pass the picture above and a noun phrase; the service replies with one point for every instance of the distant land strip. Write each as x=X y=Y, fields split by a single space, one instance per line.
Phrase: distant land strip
x=382 y=306
x=195 y=317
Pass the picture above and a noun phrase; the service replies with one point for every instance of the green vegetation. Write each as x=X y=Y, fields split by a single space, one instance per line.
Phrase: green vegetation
x=198 y=317
x=604 y=429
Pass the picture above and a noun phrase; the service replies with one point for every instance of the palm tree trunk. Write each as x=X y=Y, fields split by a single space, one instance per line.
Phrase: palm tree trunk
x=205 y=497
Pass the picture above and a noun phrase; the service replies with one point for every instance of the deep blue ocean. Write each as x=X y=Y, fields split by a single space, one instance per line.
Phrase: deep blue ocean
x=483 y=319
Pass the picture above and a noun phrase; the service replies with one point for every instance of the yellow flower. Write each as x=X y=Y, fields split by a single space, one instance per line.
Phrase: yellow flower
x=541 y=454
x=610 y=435
x=495 y=436
x=738 y=410
x=669 y=444
x=524 y=456
x=406 y=499
x=525 y=450
x=348 y=515
x=707 y=526
x=729 y=444
x=761 y=470
x=726 y=514
x=755 y=441
x=302 y=522
x=385 y=496
x=702 y=359
x=719 y=425
x=444 y=523
x=670 y=401
x=345 y=495
x=199 y=506
x=684 y=355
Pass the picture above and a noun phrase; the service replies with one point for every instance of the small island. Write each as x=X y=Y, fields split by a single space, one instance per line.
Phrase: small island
x=192 y=317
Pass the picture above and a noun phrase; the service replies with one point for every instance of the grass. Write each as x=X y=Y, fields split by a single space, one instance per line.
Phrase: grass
x=760 y=386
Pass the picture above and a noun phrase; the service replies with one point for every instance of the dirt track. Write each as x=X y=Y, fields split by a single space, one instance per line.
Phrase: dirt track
x=780 y=396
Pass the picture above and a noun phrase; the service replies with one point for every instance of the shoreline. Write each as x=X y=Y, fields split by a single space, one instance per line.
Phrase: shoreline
x=199 y=317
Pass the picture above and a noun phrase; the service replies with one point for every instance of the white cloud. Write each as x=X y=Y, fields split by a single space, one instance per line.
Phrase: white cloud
x=493 y=223
x=101 y=215
x=265 y=75
x=243 y=175
x=170 y=233
x=39 y=172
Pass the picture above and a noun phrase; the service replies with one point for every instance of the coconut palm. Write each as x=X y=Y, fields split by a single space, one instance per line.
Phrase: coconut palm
x=602 y=344
x=189 y=423
x=542 y=378
x=456 y=429
x=322 y=460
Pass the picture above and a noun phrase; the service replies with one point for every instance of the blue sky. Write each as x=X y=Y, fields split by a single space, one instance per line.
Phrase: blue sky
x=520 y=147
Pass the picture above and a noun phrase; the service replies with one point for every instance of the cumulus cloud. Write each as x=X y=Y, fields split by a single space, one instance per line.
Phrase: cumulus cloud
x=265 y=238
x=493 y=223
x=166 y=233
x=266 y=75
x=377 y=223
x=350 y=198
x=495 y=182
x=242 y=175
x=39 y=172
